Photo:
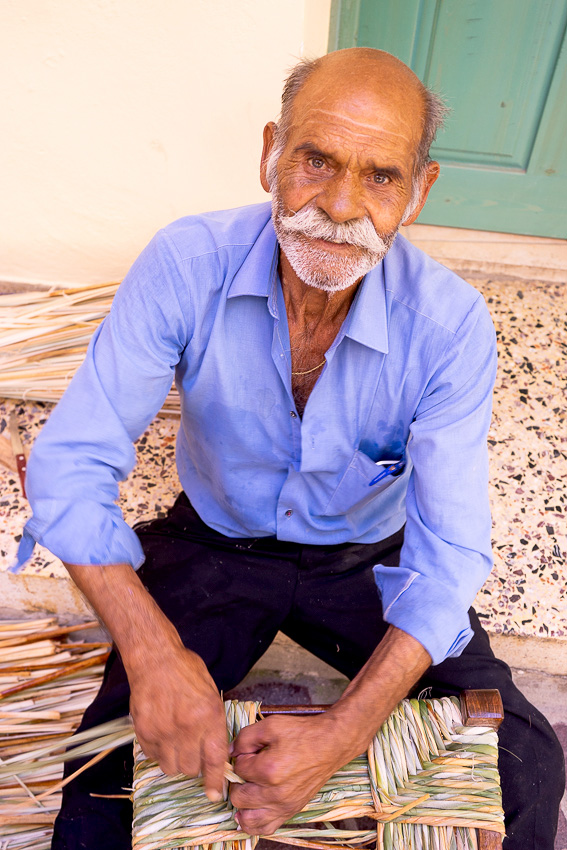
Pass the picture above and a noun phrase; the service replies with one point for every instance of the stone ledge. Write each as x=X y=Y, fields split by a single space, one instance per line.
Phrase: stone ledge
x=544 y=655
x=481 y=253
x=24 y=594
x=479 y=269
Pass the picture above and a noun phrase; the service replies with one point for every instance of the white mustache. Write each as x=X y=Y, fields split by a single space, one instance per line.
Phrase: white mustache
x=316 y=224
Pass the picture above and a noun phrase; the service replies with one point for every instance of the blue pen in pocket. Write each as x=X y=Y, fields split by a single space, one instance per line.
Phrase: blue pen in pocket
x=390 y=467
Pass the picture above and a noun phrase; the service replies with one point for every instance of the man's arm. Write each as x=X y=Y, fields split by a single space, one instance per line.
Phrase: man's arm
x=446 y=556
x=85 y=448
x=177 y=711
x=286 y=760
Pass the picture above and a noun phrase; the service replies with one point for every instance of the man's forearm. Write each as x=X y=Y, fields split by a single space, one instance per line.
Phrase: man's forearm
x=175 y=705
x=392 y=670
x=137 y=625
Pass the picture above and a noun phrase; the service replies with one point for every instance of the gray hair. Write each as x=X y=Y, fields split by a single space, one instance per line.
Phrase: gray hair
x=435 y=112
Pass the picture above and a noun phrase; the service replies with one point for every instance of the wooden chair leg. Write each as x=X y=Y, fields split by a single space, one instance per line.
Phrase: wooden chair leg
x=488 y=840
x=484 y=708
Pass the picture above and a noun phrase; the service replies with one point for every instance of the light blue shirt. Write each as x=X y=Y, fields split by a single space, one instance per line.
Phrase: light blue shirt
x=409 y=377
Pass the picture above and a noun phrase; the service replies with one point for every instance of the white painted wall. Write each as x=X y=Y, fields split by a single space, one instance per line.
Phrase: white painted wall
x=121 y=115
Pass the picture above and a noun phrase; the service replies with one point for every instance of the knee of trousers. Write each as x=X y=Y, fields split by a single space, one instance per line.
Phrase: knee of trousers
x=532 y=766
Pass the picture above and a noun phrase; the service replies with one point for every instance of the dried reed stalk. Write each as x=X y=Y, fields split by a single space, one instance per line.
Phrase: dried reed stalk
x=44 y=335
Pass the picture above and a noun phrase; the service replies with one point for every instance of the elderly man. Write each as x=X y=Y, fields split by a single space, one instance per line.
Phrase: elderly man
x=335 y=392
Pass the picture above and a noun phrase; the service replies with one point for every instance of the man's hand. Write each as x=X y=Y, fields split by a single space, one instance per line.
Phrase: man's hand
x=179 y=717
x=285 y=761
x=177 y=710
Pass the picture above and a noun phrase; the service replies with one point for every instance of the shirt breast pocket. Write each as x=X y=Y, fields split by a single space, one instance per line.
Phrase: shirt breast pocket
x=354 y=490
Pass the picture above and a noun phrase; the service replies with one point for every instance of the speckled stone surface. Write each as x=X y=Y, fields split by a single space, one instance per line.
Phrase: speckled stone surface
x=149 y=491
x=526 y=593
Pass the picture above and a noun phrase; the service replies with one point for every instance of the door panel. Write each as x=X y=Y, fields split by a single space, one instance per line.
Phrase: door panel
x=467 y=54
x=501 y=65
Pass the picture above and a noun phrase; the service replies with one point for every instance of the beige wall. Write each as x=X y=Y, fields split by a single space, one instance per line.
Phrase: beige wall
x=122 y=115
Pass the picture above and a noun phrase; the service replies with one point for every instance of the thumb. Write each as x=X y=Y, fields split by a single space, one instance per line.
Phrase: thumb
x=250 y=739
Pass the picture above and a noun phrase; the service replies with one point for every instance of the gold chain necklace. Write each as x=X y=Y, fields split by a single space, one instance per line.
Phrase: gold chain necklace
x=308 y=372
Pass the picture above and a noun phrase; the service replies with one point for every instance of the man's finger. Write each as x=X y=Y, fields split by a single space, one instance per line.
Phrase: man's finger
x=164 y=755
x=251 y=796
x=251 y=739
x=244 y=766
x=263 y=768
x=214 y=756
x=167 y=761
x=187 y=762
x=259 y=821
x=257 y=769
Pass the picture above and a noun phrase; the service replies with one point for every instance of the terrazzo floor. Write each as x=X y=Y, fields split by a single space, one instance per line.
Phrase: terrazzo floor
x=526 y=594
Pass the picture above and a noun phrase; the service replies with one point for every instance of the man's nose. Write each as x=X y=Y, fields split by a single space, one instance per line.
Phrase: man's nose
x=342 y=198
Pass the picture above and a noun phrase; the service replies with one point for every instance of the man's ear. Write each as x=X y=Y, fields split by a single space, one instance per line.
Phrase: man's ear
x=429 y=178
x=269 y=135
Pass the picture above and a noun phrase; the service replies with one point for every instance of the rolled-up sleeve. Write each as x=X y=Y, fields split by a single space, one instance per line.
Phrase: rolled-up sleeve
x=86 y=447
x=446 y=555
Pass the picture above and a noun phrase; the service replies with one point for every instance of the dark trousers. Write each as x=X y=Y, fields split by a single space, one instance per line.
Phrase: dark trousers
x=229 y=597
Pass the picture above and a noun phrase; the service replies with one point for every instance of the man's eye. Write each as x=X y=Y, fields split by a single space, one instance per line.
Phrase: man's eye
x=381 y=179
x=317 y=162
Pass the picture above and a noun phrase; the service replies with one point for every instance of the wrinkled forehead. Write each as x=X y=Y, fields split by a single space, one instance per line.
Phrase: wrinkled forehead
x=362 y=133
x=369 y=108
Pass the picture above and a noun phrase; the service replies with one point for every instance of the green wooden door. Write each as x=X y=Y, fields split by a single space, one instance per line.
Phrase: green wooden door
x=501 y=65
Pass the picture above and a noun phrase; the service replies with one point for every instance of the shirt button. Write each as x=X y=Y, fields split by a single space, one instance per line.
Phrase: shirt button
x=293 y=414
x=289 y=513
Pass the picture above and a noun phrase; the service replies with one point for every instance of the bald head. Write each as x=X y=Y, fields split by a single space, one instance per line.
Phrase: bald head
x=351 y=75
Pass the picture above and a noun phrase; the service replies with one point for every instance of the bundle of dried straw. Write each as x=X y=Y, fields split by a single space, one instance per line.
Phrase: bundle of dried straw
x=47 y=679
x=44 y=335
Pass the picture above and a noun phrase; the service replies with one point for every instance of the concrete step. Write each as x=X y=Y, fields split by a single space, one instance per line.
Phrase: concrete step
x=478 y=253
x=28 y=593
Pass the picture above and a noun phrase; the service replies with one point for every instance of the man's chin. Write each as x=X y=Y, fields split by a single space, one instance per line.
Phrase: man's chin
x=335 y=285
x=330 y=273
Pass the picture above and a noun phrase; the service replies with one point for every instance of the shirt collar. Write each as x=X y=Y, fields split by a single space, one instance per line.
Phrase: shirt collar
x=367 y=319
x=256 y=274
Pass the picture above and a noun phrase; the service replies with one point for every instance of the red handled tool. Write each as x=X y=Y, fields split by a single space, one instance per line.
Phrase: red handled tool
x=18 y=449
